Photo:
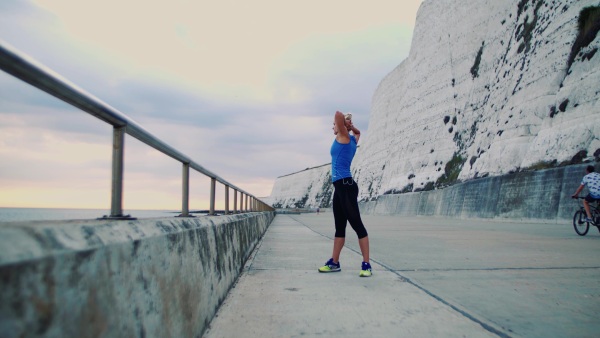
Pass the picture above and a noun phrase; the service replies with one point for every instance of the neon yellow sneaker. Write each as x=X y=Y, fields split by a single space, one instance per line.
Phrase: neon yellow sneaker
x=330 y=266
x=365 y=270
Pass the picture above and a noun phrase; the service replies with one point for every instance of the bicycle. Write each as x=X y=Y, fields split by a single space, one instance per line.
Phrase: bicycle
x=581 y=226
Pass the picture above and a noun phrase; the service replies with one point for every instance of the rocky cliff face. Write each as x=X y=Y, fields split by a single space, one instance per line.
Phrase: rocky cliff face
x=489 y=87
x=310 y=188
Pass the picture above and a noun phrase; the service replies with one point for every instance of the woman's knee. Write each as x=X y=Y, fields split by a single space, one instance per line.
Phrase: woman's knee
x=359 y=228
x=340 y=232
x=362 y=233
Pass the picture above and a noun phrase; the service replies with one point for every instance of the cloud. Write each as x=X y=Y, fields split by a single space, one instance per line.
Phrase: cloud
x=246 y=89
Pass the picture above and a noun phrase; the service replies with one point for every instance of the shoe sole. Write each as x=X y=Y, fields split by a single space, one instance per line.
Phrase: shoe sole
x=329 y=271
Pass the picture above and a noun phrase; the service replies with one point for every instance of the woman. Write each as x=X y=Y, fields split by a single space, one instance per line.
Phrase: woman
x=345 y=204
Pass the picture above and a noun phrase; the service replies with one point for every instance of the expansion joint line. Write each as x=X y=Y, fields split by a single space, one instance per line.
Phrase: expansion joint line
x=464 y=313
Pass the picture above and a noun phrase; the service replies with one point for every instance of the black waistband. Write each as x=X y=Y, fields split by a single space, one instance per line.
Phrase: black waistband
x=344 y=181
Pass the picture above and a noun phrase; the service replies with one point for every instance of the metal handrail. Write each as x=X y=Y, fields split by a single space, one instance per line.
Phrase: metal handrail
x=28 y=70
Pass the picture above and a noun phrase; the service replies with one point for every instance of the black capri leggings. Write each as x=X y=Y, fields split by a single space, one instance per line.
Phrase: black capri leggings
x=345 y=208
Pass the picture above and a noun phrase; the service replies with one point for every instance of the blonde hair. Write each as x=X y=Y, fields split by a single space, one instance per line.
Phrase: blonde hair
x=348 y=116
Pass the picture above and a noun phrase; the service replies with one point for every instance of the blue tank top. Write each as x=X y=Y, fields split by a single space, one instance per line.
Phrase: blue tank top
x=341 y=158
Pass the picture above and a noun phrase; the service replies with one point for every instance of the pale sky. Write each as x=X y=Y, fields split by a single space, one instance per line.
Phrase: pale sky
x=246 y=89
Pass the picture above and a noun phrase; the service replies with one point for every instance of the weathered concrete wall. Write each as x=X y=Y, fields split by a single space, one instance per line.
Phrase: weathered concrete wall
x=144 y=278
x=543 y=195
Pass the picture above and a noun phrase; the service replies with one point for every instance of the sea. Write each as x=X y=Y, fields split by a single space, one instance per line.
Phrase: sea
x=56 y=214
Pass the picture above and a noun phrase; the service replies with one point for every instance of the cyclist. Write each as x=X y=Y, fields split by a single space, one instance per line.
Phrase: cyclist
x=592 y=181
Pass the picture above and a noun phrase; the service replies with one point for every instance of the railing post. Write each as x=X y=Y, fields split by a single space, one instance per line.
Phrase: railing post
x=241 y=201
x=185 y=191
x=213 y=183
x=234 y=201
x=226 y=200
x=116 y=206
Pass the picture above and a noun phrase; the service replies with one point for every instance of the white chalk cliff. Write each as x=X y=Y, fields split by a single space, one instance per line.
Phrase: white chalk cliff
x=489 y=87
x=310 y=188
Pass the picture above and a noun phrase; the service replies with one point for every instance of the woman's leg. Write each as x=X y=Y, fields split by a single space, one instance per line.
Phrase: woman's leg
x=350 y=201
x=338 y=244
x=340 y=221
x=364 y=248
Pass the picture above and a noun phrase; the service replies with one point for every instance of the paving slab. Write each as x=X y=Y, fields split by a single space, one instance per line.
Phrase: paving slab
x=523 y=279
x=281 y=294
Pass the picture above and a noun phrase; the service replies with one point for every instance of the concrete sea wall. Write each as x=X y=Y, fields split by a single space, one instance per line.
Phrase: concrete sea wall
x=543 y=195
x=144 y=278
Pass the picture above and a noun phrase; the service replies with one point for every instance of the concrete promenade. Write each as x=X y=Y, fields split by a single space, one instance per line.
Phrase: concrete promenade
x=432 y=277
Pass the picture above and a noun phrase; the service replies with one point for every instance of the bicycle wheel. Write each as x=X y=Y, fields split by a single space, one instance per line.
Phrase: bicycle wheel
x=581 y=227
